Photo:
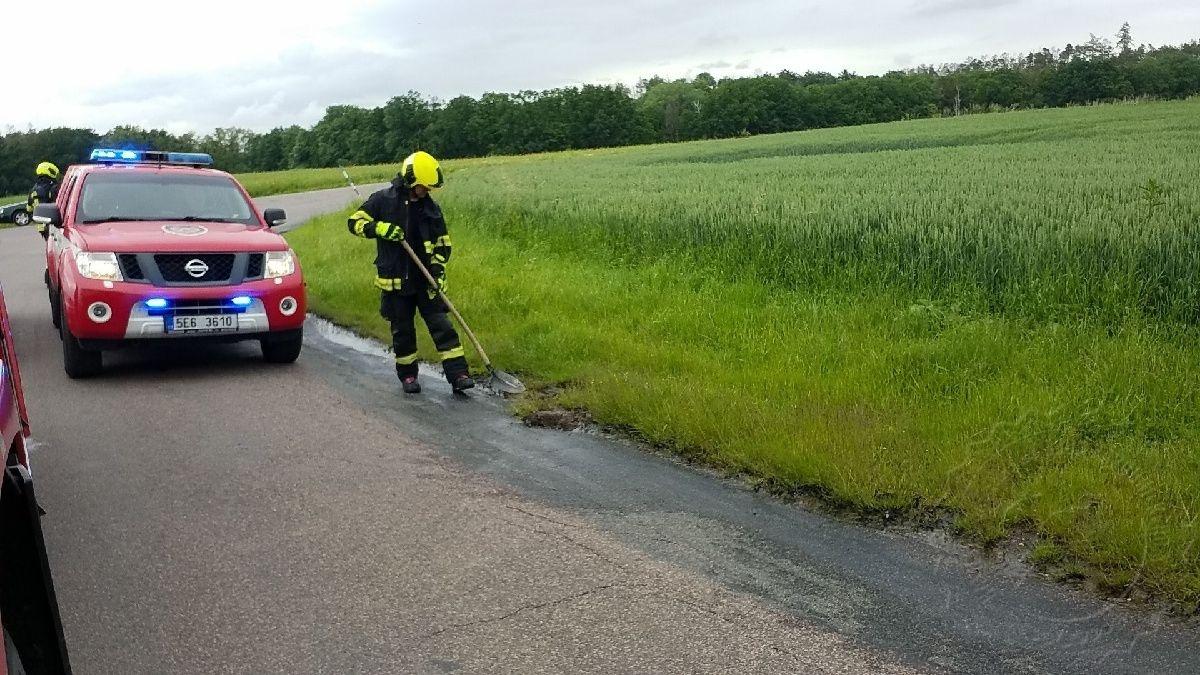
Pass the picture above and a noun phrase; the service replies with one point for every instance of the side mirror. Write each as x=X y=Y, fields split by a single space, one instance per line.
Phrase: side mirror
x=47 y=214
x=275 y=217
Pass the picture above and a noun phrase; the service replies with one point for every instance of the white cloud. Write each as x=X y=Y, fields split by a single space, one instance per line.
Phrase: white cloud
x=260 y=64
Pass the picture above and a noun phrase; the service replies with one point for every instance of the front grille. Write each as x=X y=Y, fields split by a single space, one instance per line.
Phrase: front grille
x=197 y=307
x=173 y=267
x=254 y=268
x=130 y=267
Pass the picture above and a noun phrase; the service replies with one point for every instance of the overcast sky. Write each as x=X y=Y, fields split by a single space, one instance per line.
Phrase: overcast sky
x=193 y=66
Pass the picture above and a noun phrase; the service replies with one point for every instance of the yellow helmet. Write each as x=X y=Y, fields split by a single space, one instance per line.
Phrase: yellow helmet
x=48 y=170
x=420 y=168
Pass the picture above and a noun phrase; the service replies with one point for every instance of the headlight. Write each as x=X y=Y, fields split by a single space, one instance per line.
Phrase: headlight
x=102 y=266
x=279 y=264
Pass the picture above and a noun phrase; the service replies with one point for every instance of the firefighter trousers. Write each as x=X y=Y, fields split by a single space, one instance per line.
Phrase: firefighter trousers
x=400 y=310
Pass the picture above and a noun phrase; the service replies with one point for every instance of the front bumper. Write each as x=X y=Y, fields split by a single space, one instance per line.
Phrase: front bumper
x=131 y=318
x=147 y=323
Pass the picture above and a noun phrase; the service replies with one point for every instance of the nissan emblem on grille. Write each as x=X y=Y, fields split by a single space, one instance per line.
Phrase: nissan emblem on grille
x=196 y=268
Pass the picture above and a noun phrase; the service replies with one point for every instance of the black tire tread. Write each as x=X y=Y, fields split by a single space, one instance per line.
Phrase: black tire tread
x=79 y=363
x=283 y=351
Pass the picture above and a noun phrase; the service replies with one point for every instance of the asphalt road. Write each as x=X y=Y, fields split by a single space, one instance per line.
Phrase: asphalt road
x=210 y=513
x=304 y=205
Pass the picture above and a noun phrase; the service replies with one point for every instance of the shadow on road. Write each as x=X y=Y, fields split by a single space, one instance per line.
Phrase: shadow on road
x=184 y=361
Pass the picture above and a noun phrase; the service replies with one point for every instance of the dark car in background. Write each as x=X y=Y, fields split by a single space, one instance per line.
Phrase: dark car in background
x=17 y=212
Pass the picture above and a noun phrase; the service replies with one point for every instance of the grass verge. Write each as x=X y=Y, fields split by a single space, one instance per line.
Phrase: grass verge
x=1083 y=433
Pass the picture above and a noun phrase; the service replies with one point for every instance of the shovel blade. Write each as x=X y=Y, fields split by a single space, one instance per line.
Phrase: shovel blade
x=505 y=383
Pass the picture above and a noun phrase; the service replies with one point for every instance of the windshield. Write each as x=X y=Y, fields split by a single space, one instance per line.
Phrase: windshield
x=161 y=195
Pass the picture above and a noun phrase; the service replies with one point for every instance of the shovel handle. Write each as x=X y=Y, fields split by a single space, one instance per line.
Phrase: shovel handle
x=453 y=310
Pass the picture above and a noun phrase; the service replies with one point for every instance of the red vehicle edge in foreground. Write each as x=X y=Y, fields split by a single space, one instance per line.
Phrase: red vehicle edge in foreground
x=33 y=635
x=148 y=246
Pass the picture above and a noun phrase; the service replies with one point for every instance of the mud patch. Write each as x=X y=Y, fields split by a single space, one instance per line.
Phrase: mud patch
x=559 y=418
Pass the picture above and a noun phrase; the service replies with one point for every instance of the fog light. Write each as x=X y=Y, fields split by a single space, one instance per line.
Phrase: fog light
x=99 y=312
x=288 y=306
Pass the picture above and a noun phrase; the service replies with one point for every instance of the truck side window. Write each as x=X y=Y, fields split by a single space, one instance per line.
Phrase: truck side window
x=64 y=193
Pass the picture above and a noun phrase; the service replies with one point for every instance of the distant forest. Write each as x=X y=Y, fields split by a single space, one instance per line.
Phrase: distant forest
x=658 y=110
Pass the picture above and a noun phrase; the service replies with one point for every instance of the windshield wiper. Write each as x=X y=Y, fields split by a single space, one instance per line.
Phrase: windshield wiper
x=199 y=219
x=114 y=219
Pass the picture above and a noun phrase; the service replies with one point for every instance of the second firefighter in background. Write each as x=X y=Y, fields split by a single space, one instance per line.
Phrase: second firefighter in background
x=44 y=191
x=405 y=211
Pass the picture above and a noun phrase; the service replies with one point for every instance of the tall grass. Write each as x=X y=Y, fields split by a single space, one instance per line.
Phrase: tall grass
x=992 y=315
x=1082 y=212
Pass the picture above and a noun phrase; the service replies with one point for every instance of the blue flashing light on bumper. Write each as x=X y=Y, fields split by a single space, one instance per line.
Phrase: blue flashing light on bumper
x=242 y=301
x=156 y=303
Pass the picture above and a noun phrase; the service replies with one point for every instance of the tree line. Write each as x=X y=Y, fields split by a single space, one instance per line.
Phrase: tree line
x=658 y=110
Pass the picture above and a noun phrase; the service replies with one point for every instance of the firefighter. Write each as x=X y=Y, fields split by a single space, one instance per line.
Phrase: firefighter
x=45 y=189
x=406 y=211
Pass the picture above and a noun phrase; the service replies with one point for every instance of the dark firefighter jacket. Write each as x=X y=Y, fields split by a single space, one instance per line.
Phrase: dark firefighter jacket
x=387 y=216
x=44 y=191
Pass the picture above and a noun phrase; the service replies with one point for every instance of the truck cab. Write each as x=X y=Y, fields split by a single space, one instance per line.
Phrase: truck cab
x=33 y=635
x=148 y=245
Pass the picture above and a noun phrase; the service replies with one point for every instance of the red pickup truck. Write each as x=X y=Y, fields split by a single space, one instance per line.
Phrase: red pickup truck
x=33 y=635
x=148 y=245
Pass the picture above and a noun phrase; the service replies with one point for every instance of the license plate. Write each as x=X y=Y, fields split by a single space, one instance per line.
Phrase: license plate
x=204 y=323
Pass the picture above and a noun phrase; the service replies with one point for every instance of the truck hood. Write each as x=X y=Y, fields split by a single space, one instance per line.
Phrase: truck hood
x=174 y=236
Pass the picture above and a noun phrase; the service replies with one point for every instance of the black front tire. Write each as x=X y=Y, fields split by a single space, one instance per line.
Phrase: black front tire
x=78 y=362
x=283 y=350
x=33 y=634
x=12 y=656
x=55 y=308
x=22 y=218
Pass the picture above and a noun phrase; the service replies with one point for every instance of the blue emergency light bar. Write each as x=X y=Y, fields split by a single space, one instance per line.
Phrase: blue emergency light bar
x=100 y=155
x=112 y=156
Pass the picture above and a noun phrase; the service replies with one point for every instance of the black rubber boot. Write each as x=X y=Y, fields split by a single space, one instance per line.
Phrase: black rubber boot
x=462 y=382
x=410 y=384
